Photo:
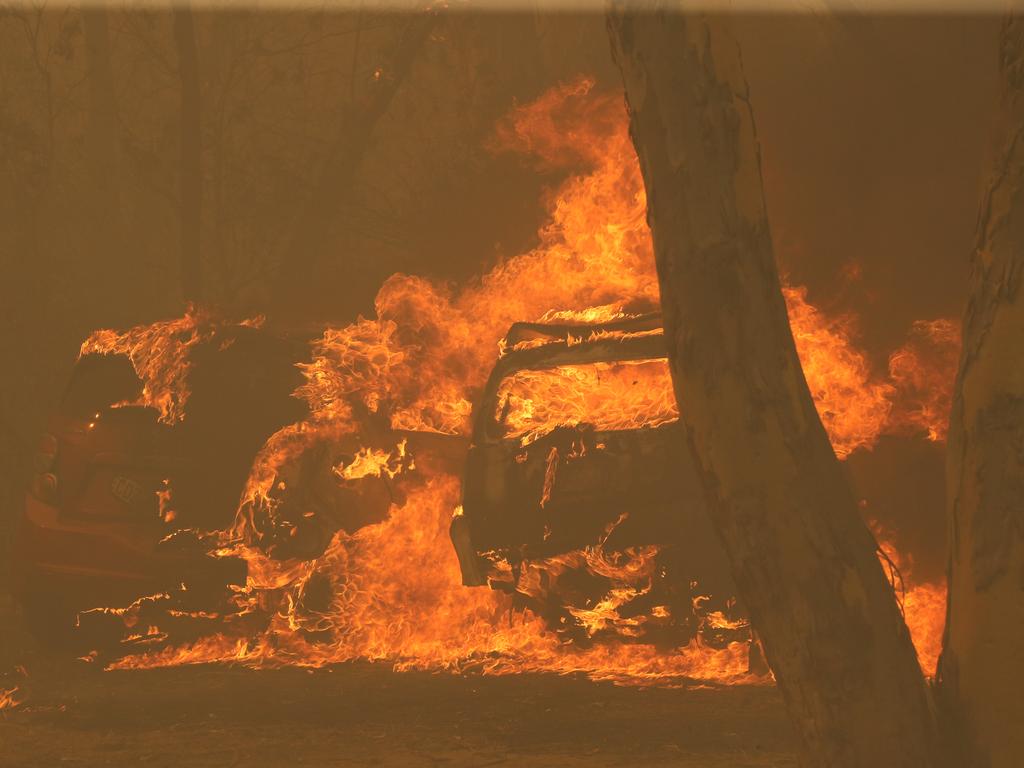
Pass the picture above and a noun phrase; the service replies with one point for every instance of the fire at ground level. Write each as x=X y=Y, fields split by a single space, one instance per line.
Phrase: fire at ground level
x=408 y=366
x=364 y=714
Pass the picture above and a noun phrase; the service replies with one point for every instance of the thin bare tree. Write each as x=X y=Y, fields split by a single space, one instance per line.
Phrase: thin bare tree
x=102 y=134
x=309 y=241
x=191 y=150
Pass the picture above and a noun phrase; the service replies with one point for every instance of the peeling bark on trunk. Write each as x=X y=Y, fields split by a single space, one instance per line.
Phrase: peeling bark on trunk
x=803 y=560
x=981 y=672
x=191 y=170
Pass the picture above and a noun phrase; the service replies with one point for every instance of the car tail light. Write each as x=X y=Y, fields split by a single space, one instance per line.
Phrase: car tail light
x=44 y=480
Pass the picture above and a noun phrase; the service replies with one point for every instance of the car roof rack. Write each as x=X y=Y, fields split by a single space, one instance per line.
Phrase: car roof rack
x=553 y=332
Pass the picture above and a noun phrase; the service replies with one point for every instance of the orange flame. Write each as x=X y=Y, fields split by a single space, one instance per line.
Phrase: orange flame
x=397 y=600
x=10 y=698
x=159 y=353
x=923 y=603
x=369 y=462
x=391 y=591
x=853 y=407
x=923 y=372
x=609 y=396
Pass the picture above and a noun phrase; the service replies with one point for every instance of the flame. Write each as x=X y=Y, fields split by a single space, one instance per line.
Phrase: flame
x=369 y=462
x=159 y=352
x=550 y=472
x=396 y=599
x=390 y=591
x=923 y=372
x=608 y=396
x=853 y=407
x=14 y=697
x=923 y=602
x=10 y=698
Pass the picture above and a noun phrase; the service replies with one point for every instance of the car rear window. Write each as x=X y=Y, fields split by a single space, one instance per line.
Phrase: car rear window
x=606 y=396
x=99 y=381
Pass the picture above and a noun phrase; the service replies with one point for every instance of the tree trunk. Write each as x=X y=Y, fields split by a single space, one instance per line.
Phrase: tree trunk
x=981 y=672
x=191 y=148
x=310 y=234
x=804 y=563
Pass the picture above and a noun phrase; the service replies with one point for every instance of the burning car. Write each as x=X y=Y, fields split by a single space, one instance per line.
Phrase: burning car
x=578 y=485
x=119 y=493
x=144 y=470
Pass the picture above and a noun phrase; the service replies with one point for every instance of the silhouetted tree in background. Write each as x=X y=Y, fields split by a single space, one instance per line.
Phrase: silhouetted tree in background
x=140 y=149
x=102 y=134
x=233 y=148
x=309 y=242
x=190 y=199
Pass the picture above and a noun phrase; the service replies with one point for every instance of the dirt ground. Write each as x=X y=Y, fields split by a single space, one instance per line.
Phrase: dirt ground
x=364 y=714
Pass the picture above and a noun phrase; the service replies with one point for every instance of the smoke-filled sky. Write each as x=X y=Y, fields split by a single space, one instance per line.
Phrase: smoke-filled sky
x=874 y=136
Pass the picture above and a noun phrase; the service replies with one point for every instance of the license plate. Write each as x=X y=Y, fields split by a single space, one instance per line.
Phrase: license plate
x=125 y=489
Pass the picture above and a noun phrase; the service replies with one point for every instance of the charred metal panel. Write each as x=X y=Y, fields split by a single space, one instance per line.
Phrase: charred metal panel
x=575 y=486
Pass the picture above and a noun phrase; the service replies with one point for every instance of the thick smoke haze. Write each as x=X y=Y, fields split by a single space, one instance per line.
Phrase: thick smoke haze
x=874 y=133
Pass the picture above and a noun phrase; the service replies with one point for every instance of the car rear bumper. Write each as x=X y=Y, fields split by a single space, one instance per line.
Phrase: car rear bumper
x=100 y=562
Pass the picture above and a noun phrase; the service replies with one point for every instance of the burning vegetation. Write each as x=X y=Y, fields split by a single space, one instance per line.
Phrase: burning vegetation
x=12 y=689
x=9 y=698
x=342 y=529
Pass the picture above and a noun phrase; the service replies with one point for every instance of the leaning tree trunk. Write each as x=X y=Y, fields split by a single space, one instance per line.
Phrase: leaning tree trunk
x=191 y=170
x=981 y=673
x=804 y=562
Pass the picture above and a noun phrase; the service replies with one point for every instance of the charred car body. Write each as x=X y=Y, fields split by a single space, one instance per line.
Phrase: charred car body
x=577 y=485
x=125 y=511
x=577 y=448
x=117 y=498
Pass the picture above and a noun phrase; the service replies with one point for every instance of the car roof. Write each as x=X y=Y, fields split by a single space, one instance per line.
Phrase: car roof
x=540 y=346
x=545 y=332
